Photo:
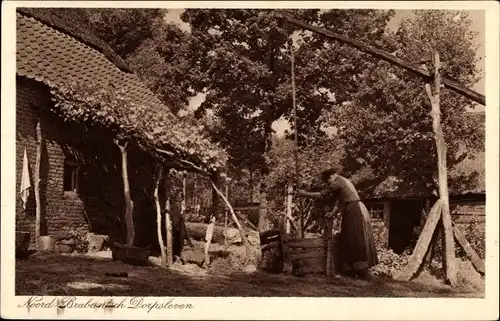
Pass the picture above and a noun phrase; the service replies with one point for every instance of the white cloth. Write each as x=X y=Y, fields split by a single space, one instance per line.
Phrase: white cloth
x=25 y=180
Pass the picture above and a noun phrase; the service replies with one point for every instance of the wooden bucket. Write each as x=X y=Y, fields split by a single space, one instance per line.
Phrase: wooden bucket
x=130 y=254
x=46 y=243
x=308 y=256
x=22 y=241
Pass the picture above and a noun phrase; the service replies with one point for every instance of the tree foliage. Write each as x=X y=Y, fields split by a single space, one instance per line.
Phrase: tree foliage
x=245 y=70
x=157 y=51
x=387 y=124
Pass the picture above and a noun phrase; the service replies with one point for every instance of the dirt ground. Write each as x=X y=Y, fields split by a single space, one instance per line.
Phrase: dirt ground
x=53 y=274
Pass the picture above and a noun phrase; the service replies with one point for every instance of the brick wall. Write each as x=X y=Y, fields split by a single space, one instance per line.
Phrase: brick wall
x=61 y=213
x=100 y=199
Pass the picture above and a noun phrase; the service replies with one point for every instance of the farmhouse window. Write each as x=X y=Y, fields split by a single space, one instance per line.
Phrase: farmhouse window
x=71 y=176
x=376 y=211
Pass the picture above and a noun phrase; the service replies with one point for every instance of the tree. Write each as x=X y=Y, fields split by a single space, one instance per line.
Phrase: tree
x=245 y=71
x=157 y=51
x=313 y=158
x=125 y=29
x=387 y=125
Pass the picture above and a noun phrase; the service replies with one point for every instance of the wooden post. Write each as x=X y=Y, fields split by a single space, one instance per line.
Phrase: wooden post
x=327 y=235
x=183 y=201
x=158 y=217
x=215 y=200
x=38 y=210
x=387 y=223
x=194 y=202
x=168 y=221
x=129 y=205
x=208 y=239
x=225 y=213
x=296 y=138
x=449 y=244
x=423 y=244
x=213 y=218
x=285 y=249
x=288 y=213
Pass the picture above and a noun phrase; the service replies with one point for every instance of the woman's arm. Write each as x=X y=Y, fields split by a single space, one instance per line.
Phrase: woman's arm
x=309 y=194
x=335 y=211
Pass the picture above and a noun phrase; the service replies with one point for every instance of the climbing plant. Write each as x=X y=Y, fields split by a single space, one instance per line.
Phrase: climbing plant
x=128 y=120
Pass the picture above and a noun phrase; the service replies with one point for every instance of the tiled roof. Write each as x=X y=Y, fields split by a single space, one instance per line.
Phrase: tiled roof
x=73 y=23
x=56 y=58
x=50 y=56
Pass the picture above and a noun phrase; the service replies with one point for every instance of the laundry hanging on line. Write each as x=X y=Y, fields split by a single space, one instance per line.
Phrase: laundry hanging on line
x=25 y=180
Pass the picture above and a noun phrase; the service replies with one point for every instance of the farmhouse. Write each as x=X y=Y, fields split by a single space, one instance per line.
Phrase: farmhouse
x=398 y=209
x=70 y=148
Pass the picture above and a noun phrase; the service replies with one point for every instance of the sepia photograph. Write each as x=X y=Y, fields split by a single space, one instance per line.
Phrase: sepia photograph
x=160 y=154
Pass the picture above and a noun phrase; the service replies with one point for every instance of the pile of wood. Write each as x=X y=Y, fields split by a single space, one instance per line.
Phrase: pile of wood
x=197 y=232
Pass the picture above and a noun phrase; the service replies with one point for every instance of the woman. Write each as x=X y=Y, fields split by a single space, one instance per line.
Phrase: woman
x=357 y=246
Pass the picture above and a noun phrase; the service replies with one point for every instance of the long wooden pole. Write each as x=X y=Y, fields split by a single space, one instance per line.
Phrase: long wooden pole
x=38 y=209
x=453 y=85
x=449 y=242
x=288 y=210
x=225 y=214
x=296 y=137
x=213 y=218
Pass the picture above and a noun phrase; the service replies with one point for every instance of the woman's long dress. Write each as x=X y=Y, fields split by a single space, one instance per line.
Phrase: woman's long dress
x=357 y=246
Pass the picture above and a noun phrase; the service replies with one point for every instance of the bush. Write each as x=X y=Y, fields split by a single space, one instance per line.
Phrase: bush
x=82 y=245
x=389 y=263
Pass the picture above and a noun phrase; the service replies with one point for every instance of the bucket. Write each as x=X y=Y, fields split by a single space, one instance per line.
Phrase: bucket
x=46 y=243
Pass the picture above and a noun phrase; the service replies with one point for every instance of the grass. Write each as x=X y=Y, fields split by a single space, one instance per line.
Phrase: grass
x=52 y=274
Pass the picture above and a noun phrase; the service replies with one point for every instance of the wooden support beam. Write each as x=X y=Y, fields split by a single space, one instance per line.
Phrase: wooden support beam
x=288 y=208
x=129 y=204
x=38 y=209
x=225 y=213
x=471 y=254
x=423 y=244
x=215 y=199
x=208 y=240
x=381 y=54
x=159 y=173
x=168 y=221
x=441 y=149
x=284 y=246
x=387 y=223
